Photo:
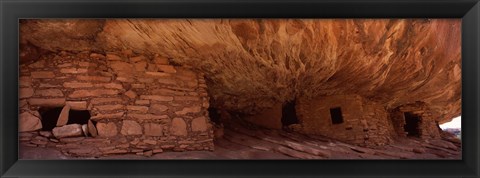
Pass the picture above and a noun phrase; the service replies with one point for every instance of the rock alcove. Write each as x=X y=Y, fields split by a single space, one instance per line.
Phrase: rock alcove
x=149 y=86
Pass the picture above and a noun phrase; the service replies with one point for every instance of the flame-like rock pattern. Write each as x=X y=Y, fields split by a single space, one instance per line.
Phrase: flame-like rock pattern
x=253 y=64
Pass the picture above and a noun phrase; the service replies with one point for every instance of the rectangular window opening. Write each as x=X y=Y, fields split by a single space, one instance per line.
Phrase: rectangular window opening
x=336 y=115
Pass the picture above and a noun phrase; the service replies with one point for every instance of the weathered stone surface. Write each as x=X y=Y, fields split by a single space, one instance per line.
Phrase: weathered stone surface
x=193 y=109
x=147 y=116
x=25 y=92
x=106 y=129
x=130 y=127
x=289 y=54
x=152 y=129
x=94 y=78
x=91 y=129
x=157 y=74
x=118 y=66
x=199 y=124
x=73 y=71
x=46 y=134
x=117 y=115
x=90 y=93
x=131 y=94
x=85 y=130
x=49 y=92
x=140 y=66
x=77 y=105
x=158 y=109
x=105 y=100
x=71 y=130
x=179 y=127
x=111 y=85
x=25 y=81
x=142 y=102
x=113 y=57
x=270 y=118
x=138 y=85
x=42 y=74
x=109 y=107
x=156 y=97
x=140 y=109
x=160 y=60
x=138 y=58
x=47 y=102
x=167 y=68
x=63 y=117
x=28 y=122
x=77 y=85
x=187 y=98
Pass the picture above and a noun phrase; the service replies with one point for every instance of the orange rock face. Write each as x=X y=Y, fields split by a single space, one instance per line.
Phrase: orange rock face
x=251 y=65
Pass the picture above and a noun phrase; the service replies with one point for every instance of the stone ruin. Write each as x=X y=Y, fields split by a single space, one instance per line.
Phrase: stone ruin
x=146 y=92
x=352 y=119
x=141 y=104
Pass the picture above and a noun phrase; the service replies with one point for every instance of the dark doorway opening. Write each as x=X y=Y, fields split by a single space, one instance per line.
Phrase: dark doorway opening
x=336 y=115
x=50 y=117
x=411 y=124
x=78 y=117
x=214 y=115
x=289 y=114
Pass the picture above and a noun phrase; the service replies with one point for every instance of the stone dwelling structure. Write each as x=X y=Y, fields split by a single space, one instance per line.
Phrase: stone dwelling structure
x=126 y=102
x=351 y=118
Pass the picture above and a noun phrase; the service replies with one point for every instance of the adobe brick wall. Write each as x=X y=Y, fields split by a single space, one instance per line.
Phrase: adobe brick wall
x=143 y=102
x=365 y=122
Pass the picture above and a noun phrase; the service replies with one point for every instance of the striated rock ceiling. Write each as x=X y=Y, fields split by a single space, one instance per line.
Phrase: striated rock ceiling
x=251 y=64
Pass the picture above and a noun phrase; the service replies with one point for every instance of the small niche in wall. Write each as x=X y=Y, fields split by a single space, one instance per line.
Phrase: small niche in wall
x=336 y=115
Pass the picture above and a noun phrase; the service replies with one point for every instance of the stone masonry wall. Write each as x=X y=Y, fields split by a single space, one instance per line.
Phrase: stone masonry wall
x=138 y=104
x=427 y=126
x=364 y=122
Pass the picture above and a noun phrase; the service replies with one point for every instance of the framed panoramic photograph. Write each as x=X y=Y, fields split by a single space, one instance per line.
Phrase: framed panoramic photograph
x=239 y=88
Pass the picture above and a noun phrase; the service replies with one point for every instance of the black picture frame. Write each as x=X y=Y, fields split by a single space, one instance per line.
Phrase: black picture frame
x=467 y=10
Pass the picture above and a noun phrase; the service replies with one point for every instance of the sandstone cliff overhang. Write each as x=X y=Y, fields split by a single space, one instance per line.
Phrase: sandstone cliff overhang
x=253 y=64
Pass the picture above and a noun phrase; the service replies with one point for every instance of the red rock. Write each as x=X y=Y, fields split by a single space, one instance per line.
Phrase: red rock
x=138 y=58
x=71 y=130
x=98 y=117
x=178 y=128
x=199 y=124
x=131 y=94
x=63 y=117
x=193 y=109
x=77 y=105
x=130 y=127
x=28 y=122
x=139 y=109
x=152 y=129
x=91 y=129
x=42 y=74
x=113 y=57
x=53 y=102
x=156 y=97
x=49 y=92
x=158 y=109
x=166 y=68
x=160 y=60
x=106 y=129
x=92 y=93
x=77 y=85
x=94 y=78
x=25 y=92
